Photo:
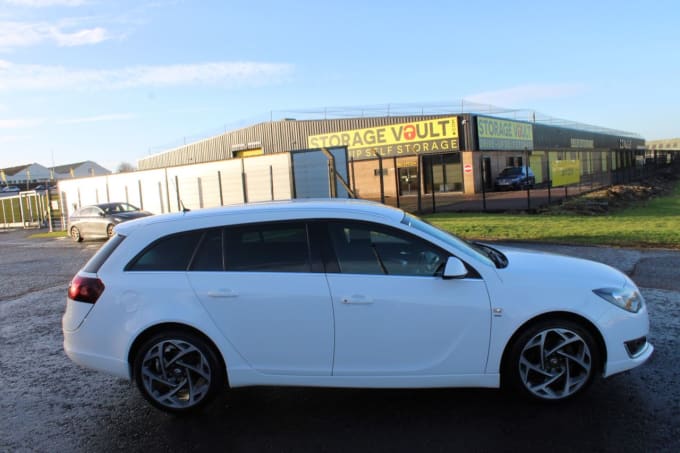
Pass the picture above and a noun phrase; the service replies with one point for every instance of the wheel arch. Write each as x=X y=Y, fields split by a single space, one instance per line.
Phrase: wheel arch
x=153 y=330
x=551 y=316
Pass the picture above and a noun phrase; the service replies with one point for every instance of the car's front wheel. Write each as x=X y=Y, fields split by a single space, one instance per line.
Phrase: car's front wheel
x=552 y=360
x=178 y=371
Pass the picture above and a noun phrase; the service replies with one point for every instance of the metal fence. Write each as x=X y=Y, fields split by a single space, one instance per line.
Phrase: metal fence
x=29 y=209
x=558 y=175
x=415 y=188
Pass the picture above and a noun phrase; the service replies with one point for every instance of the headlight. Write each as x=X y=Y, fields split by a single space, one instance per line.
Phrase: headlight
x=627 y=298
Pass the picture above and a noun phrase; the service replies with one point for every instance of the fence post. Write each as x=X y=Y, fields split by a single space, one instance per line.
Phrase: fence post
x=141 y=198
x=481 y=166
x=549 y=180
x=23 y=216
x=396 y=179
x=49 y=209
x=160 y=196
x=382 y=180
x=244 y=186
x=63 y=201
x=179 y=200
x=354 y=179
x=421 y=183
x=271 y=182
x=219 y=185
x=434 y=203
x=199 y=182
x=244 y=181
x=167 y=190
x=526 y=170
x=11 y=208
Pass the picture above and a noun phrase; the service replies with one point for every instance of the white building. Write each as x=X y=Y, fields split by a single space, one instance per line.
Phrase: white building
x=79 y=170
x=25 y=174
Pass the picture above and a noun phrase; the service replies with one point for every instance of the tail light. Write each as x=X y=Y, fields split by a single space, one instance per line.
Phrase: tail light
x=85 y=289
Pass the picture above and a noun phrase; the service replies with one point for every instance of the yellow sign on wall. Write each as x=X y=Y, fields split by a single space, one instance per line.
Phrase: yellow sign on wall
x=565 y=172
x=249 y=152
x=394 y=140
x=495 y=134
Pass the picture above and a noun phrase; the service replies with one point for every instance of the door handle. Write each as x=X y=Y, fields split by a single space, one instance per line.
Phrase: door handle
x=357 y=300
x=222 y=293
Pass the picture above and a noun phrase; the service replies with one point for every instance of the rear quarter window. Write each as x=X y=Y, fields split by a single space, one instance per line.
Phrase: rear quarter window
x=170 y=253
x=103 y=254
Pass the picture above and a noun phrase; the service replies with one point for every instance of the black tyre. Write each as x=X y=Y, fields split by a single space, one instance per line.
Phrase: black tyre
x=552 y=360
x=109 y=230
x=75 y=234
x=178 y=372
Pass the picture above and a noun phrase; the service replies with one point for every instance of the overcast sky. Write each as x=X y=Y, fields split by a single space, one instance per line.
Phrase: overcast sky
x=113 y=81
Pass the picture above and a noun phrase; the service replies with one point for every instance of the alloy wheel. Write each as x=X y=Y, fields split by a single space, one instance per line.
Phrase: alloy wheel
x=75 y=234
x=175 y=374
x=555 y=363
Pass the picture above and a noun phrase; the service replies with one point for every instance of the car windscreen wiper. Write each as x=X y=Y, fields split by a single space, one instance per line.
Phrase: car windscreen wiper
x=494 y=255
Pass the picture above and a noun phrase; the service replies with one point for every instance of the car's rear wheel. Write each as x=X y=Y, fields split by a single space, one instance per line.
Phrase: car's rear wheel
x=552 y=361
x=75 y=234
x=109 y=230
x=177 y=371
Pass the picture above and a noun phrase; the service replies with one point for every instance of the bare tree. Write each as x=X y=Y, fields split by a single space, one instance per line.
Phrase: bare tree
x=125 y=167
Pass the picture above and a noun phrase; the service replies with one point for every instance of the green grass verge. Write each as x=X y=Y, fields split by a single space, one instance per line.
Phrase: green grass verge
x=652 y=224
x=54 y=234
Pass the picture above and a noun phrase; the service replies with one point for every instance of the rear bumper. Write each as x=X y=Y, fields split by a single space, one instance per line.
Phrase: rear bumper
x=108 y=365
x=80 y=342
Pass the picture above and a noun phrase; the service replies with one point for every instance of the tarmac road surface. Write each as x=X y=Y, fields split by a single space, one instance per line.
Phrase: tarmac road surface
x=48 y=403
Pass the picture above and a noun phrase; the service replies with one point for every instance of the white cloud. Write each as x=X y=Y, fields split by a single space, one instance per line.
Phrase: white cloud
x=18 y=123
x=45 y=3
x=24 y=34
x=98 y=118
x=13 y=138
x=229 y=74
x=81 y=38
x=524 y=94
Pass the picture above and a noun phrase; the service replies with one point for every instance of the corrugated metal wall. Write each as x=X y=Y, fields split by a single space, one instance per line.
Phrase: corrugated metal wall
x=273 y=137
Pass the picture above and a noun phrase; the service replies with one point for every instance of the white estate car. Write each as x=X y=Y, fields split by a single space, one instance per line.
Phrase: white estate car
x=342 y=293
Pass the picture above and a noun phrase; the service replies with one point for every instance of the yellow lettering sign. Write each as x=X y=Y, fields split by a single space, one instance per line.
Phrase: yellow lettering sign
x=394 y=139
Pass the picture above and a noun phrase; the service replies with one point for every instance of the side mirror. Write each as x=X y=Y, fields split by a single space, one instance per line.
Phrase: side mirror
x=454 y=268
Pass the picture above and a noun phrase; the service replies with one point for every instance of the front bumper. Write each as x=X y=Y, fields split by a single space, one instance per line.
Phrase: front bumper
x=620 y=328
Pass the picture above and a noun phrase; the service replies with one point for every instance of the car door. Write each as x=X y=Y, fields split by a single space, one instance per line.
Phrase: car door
x=395 y=314
x=268 y=296
x=88 y=220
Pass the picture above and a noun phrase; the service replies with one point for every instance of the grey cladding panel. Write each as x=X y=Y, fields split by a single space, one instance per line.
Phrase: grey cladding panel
x=311 y=173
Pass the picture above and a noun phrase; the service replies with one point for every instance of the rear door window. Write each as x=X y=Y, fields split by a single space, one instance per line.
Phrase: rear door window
x=208 y=257
x=268 y=247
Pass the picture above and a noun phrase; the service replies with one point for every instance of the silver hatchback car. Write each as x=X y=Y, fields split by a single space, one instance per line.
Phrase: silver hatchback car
x=98 y=221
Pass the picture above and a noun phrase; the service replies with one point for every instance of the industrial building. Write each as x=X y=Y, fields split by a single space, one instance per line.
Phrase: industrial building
x=425 y=153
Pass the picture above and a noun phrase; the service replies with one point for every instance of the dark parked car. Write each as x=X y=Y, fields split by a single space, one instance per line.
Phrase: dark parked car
x=98 y=220
x=515 y=178
x=10 y=189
